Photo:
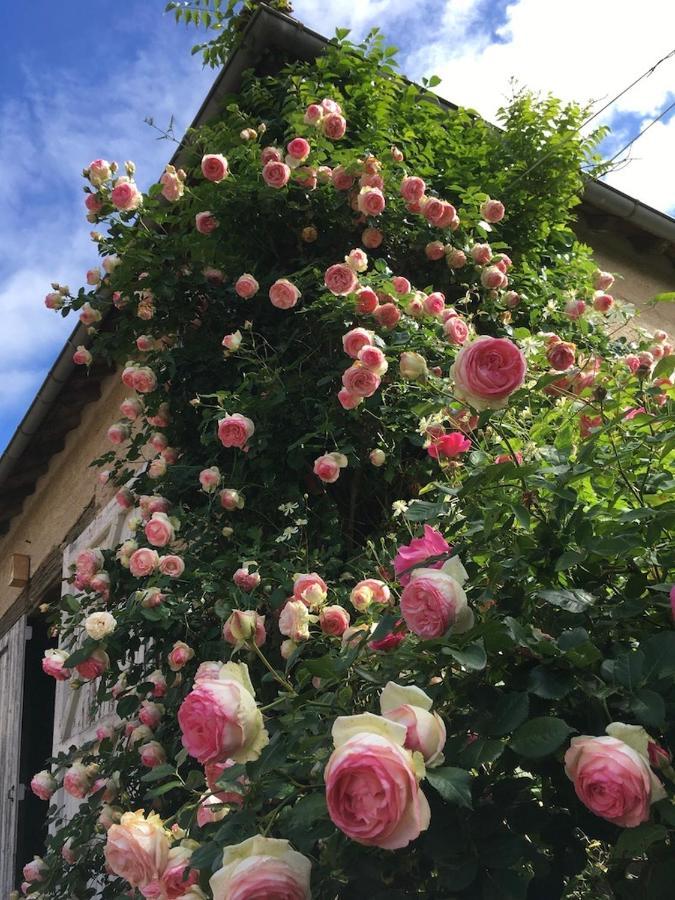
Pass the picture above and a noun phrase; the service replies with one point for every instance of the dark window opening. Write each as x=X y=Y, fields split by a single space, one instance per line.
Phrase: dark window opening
x=37 y=728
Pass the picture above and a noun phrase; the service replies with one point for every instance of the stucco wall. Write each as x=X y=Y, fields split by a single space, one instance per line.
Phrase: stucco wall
x=64 y=491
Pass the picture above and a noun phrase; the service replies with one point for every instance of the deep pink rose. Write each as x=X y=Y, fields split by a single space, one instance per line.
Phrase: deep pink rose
x=612 y=779
x=270 y=154
x=284 y=294
x=360 y=381
x=235 y=431
x=95 y=666
x=245 y=580
x=387 y=315
x=125 y=196
x=456 y=330
x=341 y=279
x=143 y=380
x=334 y=620
x=412 y=189
x=353 y=341
x=366 y=301
x=276 y=174
x=374 y=359
x=298 y=148
x=214 y=167
x=418 y=551
x=348 y=400
x=448 y=445
x=334 y=126
x=432 y=602
x=487 y=371
x=371 y=201
x=206 y=222
x=246 y=286
x=327 y=467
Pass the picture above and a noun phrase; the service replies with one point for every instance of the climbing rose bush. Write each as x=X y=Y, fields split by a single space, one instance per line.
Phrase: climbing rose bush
x=390 y=615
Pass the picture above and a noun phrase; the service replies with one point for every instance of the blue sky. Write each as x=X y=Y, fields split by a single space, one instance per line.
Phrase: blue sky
x=80 y=77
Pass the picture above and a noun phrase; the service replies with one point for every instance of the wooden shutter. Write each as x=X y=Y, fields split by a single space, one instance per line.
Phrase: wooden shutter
x=12 y=650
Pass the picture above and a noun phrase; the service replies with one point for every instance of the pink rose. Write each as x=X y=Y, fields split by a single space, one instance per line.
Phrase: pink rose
x=98 y=171
x=434 y=250
x=574 y=309
x=487 y=371
x=206 y=222
x=602 y=281
x=372 y=788
x=603 y=303
x=130 y=408
x=588 y=425
x=455 y=258
x=276 y=174
x=456 y=330
x=433 y=601
x=144 y=380
x=334 y=126
x=412 y=189
x=481 y=254
x=561 y=355
x=231 y=499
x=176 y=880
x=173 y=187
x=159 y=684
x=52 y=664
x=43 y=784
x=360 y=381
x=219 y=720
x=493 y=278
x=243 y=626
x=369 y=591
x=371 y=201
x=310 y=588
x=387 y=315
x=150 y=713
x=264 y=868
x=125 y=196
x=159 y=531
x=143 y=562
x=89 y=562
x=95 y=666
x=517 y=458
x=245 y=580
x=366 y=301
x=77 y=781
x=401 y=284
x=355 y=340
x=372 y=238
x=492 y=211
x=434 y=303
x=171 y=565
x=341 y=179
x=418 y=551
x=214 y=167
x=348 y=400
x=313 y=114
x=235 y=431
x=35 y=870
x=327 y=467
x=270 y=154
x=152 y=754
x=411 y=707
x=179 y=655
x=612 y=779
x=82 y=357
x=448 y=445
x=284 y=294
x=334 y=620
x=298 y=148
x=341 y=279
x=294 y=621
x=118 y=433
x=246 y=286
x=374 y=359
x=511 y=299
x=93 y=203
x=138 y=848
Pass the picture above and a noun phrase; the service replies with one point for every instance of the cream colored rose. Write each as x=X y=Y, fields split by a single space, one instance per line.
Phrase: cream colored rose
x=99 y=625
x=262 y=867
x=138 y=848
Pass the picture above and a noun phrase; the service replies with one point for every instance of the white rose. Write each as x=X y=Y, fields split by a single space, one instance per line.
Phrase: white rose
x=99 y=625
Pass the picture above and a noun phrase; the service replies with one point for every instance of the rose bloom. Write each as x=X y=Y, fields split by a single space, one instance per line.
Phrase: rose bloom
x=243 y=626
x=262 y=868
x=341 y=179
x=359 y=380
x=487 y=371
x=125 y=196
x=433 y=601
x=377 y=457
x=310 y=588
x=89 y=562
x=284 y=294
x=357 y=260
x=43 y=784
x=334 y=620
x=179 y=655
x=152 y=754
x=209 y=479
x=371 y=201
x=245 y=580
x=94 y=204
x=214 y=167
x=157 y=468
x=372 y=788
x=206 y=222
x=574 y=309
x=52 y=664
x=506 y=458
x=173 y=187
x=492 y=211
x=158 y=681
x=54 y=300
x=143 y=562
x=455 y=258
x=98 y=171
x=150 y=713
x=412 y=189
x=298 y=148
x=99 y=625
x=340 y=279
x=448 y=445
x=456 y=330
x=95 y=666
x=481 y=254
x=588 y=425
x=246 y=286
x=353 y=341
x=602 y=281
x=276 y=174
x=77 y=781
x=138 y=848
x=327 y=467
x=82 y=357
x=118 y=433
x=231 y=499
x=368 y=591
x=413 y=366
x=235 y=431
x=418 y=551
x=130 y=408
x=35 y=870
x=366 y=301
x=561 y=355
x=270 y=154
x=294 y=621
x=159 y=531
x=411 y=707
x=348 y=400
x=603 y=303
x=434 y=303
x=313 y=114
x=144 y=380
x=434 y=250
x=177 y=878
x=219 y=720
x=334 y=126
x=387 y=315
x=372 y=238
x=511 y=299
x=374 y=359
x=612 y=778
x=493 y=278
x=171 y=565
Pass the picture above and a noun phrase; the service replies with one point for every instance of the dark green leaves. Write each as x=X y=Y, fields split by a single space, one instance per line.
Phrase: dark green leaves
x=454 y=785
x=574 y=601
x=511 y=711
x=540 y=737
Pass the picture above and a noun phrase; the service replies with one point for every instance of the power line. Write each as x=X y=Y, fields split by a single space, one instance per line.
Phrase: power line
x=641 y=132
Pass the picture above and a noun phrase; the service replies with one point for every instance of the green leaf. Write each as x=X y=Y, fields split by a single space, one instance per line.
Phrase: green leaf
x=80 y=656
x=664 y=367
x=568 y=559
x=511 y=711
x=480 y=752
x=649 y=708
x=164 y=788
x=128 y=705
x=574 y=601
x=472 y=656
x=323 y=667
x=422 y=511
x=549 y=683
x=635 y=841
x=384 y=627
x=159 y=772
x=540 y=737
x=666 y=297
x=659 y=656
x=454 y=785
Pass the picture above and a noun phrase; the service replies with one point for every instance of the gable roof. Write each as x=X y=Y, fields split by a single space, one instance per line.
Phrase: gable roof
x=67 y=389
